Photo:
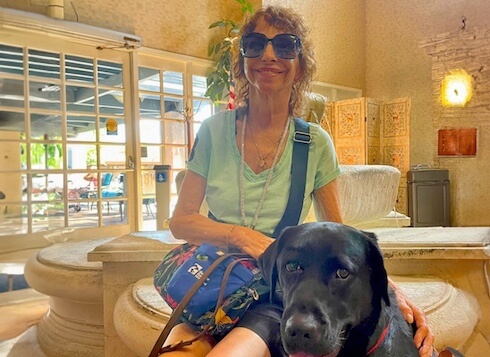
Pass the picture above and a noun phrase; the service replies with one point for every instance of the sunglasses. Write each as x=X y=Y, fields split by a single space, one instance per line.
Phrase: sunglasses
x=286 y=46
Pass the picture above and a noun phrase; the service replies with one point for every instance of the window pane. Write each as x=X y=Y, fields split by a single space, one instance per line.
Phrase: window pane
x=44 y=64
x=79 y=69
x=110 y=74
x=174 y=108
x=112 y=130
x=199 y=86
x=175 y=132
x=175 y=156
x=14 y=220
x=149 y=79
x=148 y=182
x=11 y=92
x=47 y=127
x=150 y=106
x=47 y=216
x=80 y=99
x=11 y=60
x=12 y=121
x=44 y=95
x=111 y=102
x=173 y=82
x=46 y=156
x=195 y=127
x=82 y=214
x=153 y=155
x=203 y=109
x=150 y=131
x=47 y=187
x=113 y=213
x=113 y=156
x=81 y=156
x=80 y=127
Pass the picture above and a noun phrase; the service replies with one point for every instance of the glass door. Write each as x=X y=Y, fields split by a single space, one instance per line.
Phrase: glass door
x=65 y=136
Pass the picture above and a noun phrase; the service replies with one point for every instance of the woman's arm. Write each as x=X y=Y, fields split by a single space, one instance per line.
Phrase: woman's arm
x=188 y=224
x=424 y=338
x=327 y=204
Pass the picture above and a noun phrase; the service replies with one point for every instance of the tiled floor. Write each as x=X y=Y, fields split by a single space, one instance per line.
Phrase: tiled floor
x=24 y=345
x=20 y=311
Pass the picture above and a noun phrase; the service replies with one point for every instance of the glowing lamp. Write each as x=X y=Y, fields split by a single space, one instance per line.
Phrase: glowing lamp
x=457 y=89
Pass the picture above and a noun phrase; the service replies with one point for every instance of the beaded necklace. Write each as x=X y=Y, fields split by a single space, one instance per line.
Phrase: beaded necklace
x=267 y=181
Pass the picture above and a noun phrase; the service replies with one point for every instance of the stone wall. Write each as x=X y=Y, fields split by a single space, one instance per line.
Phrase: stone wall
x=467 y=49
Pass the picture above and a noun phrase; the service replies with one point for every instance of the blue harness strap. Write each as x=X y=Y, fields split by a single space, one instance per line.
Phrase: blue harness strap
x=301 y=147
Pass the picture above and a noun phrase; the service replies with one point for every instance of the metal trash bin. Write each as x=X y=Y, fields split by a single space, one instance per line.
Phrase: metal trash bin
x=428 y=197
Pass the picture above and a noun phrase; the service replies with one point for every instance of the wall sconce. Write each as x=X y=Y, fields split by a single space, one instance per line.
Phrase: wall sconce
x=457 y=88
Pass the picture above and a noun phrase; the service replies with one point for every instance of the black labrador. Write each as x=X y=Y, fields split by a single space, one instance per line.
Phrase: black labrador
x=335 y=294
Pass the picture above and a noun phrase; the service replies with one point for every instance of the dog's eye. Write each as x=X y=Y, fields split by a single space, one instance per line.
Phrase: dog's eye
x=293 y=266
x=342 y=274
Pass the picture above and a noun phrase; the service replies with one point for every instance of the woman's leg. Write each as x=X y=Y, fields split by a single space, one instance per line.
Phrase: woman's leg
x=182 y=332
x=240 y=342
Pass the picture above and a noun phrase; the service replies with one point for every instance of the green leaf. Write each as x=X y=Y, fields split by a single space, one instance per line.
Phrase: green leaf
x=214 y=24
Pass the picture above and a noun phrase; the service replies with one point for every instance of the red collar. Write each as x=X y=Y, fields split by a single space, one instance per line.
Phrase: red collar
x=380 y=340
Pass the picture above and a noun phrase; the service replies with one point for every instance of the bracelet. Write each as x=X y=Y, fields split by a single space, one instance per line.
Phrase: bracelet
x=227 y=237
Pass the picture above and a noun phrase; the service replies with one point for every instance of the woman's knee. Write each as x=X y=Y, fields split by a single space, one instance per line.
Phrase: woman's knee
x=238 y=343
x=182 y=332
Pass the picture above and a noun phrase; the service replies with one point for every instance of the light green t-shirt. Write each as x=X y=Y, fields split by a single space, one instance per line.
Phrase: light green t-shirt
x=216 y=157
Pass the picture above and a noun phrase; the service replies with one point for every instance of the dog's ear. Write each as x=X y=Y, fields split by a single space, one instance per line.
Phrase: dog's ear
x=267 y=264
x=379 y=277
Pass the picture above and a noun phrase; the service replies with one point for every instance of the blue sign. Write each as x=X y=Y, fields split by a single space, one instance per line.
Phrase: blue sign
x=161 y=176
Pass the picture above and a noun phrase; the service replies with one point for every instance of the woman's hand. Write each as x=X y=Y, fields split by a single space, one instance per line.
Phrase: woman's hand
x=424 y=338
x=249 y=241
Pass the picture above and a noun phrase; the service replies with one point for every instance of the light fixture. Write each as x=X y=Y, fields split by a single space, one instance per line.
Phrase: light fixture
x=457 y=88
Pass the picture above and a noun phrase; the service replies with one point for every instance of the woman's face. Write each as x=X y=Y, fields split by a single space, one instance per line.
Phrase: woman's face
x=269 y=74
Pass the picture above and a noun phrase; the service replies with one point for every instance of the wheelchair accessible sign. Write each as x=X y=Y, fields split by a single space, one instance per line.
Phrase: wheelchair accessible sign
x=161 y=173
x=161 y=176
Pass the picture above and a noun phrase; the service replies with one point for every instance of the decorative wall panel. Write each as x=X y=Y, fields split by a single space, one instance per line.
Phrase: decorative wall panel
x=370 y=131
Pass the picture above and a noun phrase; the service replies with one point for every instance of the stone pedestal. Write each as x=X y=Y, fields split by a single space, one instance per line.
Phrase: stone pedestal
x=125 y=260
x=74 y=324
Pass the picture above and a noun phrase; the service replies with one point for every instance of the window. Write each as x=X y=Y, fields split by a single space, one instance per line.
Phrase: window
x=171 y=108
x=62 y=120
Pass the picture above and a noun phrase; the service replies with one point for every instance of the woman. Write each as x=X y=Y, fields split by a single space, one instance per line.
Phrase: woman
x=241 y=164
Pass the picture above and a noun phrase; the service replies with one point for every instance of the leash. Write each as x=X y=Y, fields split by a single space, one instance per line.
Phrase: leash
x=380 y=340
x=174 y=318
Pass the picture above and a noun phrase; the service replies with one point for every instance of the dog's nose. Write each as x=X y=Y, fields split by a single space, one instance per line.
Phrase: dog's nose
x=302 y=329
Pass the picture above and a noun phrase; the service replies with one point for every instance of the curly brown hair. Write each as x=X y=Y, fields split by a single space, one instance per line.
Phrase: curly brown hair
x=286 y=20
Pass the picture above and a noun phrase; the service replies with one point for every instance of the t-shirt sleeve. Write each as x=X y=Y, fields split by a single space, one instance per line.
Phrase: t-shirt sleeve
x=327 y=164
x=201 y=151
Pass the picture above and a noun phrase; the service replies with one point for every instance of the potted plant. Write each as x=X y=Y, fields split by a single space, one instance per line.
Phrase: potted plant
x=221 y=51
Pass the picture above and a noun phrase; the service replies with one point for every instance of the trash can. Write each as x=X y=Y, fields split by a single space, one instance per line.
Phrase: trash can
x=428 y=197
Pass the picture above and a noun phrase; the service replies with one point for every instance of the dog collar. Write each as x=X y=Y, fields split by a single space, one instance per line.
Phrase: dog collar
x=380 y=340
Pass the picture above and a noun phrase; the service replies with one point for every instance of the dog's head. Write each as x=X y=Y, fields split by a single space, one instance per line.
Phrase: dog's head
x=332 y=276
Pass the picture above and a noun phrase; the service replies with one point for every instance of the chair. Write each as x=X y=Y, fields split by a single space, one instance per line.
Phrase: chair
x=147 y=202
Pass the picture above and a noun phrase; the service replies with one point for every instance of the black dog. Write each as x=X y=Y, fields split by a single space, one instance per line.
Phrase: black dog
x=335 y=294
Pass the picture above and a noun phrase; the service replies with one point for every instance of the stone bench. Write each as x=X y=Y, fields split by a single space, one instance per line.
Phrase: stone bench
x=367 y=194
x=457 y=312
